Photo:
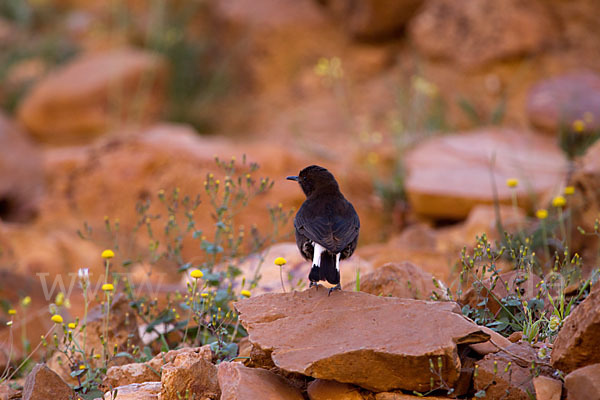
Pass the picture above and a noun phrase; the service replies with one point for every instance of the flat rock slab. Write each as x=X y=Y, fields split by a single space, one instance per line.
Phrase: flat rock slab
x=378 y=343
x=449 y=175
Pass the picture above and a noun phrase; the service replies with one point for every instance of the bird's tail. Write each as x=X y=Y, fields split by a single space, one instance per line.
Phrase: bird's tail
x=329 y=270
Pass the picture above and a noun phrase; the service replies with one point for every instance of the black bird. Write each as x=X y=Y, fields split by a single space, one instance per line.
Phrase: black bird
x=326 y=225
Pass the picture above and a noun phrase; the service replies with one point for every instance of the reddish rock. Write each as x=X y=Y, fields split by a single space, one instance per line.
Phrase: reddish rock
x=404 y=280
x=320 y=389
x=468 y=35
x=402 y=396
x=584 y=383
x=122 y=375
x=547 y=388
x=21 y=177
x=514 y=381
x=42 y=384
x=449 y=175
x=84 y=98
x=578 y=342
x=584 y=206
x=8 y=393
x=346 y=337
x=554 y=104
x=189 y=375
x=240 y=382
x=136 y=391
x=495 y=344
x=372 y=19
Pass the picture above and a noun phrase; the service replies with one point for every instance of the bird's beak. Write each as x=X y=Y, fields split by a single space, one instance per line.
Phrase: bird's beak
x=292 y=178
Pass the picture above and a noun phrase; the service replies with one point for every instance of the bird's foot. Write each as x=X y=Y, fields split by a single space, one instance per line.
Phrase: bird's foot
x=313 y=283
x=336 y=287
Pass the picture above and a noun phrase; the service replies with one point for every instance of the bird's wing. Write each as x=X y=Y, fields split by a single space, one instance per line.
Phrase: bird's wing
x=332 y=232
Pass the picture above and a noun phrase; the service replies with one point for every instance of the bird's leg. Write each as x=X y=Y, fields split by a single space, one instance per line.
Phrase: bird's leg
x=336 y=287
x=313 y=283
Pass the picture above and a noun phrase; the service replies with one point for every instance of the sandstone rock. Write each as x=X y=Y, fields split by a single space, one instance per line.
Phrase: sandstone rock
x=150 y=371
x=189 y=375
x=584 y=206
x=402 y=396
x=515 y=337
x=21 y=177
x=372 y=19
x=42 y=384
x=512 y=382
x=136 y=391
x=554 y=104
x=346 y=337
x=488 y=347
x=418 y=244
x=86 y=97
x=240 y=382
x=482 y=31
x=122 y=335
x=449 y=175
x=578 y=343
x=122 y=375
x=547 y=388
x=404 y=280
x=320 y=389
x=584 y=383
x=8 y=393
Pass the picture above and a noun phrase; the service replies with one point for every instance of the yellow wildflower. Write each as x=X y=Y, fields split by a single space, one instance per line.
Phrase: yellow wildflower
x=578 y=126
x=82 y=367
x=60 y=299
x=554 y=323
x=569 y=190
x=72 y=325
x=57 y=319
x=26 y=301
x=280 y=261
x=204 y=295
x=512 y=182
x=108 y=253
x=108 y=287
x=541 y=214
x=196 y=274
x=12 y=311
x=246 y=293
x=559 y=201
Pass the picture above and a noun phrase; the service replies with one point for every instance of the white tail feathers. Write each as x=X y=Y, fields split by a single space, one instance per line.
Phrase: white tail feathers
x=317 y=254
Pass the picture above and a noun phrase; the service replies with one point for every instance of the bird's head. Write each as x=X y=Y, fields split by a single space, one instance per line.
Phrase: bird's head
x=316 y=179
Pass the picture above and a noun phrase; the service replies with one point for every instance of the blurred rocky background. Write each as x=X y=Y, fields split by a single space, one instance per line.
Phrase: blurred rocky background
x=421 y=108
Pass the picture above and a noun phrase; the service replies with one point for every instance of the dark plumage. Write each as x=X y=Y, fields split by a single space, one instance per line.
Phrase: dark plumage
x=326 y=225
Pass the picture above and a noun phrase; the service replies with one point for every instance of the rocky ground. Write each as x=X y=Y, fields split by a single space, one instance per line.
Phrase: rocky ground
x=423 y=109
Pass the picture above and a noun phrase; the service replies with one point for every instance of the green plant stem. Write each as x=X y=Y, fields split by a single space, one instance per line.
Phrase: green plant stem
x=187 y=325
x=281 y=278
x=545 y=241
x=29 y=356
x=515 y=206
x=563 y=229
